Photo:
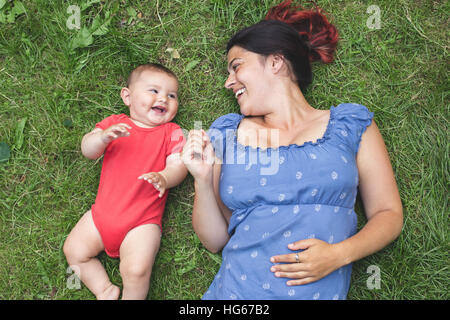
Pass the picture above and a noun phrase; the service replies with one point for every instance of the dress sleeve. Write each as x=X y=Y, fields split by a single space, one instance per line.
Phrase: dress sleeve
x=223 y=130
x=109 y=121
x=352 y=121
x=176 y=140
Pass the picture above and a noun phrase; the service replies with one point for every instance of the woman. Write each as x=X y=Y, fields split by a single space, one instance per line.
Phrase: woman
x=280 y=203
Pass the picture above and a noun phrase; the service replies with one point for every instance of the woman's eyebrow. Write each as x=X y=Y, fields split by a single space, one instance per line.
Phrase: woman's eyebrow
x=231 y=62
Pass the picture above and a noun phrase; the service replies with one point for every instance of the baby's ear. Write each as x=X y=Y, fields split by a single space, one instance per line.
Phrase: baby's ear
x=125 y=95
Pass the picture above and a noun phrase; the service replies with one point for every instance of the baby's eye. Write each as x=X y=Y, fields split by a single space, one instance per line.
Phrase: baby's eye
x=172 y=96
x=154 y=90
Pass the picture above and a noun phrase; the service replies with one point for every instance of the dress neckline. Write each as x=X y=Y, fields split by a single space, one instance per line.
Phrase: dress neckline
x=319 y=141
x=135 y=126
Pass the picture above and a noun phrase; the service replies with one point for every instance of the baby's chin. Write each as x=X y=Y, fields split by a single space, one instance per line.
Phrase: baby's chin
x=152 y=121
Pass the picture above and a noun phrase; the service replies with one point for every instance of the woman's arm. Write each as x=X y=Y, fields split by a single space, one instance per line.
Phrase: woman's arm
x=381 y=199
x=210 y=216
x=208 y=220
x=383 y=210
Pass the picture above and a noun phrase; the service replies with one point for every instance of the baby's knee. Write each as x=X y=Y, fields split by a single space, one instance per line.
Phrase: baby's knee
x=135 y=270
x=74 y=252
x=68 y=248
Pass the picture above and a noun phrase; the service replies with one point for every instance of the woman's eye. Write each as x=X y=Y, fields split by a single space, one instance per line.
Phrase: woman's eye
x=234 y=67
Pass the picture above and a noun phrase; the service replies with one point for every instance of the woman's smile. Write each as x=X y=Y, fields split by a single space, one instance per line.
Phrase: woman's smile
x=239 y=93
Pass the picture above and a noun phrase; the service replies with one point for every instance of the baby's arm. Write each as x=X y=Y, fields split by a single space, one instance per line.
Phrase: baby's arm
x=172 y=175
x=95 y=142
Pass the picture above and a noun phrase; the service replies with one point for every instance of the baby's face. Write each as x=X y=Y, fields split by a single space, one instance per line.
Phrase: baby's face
x=152 y=98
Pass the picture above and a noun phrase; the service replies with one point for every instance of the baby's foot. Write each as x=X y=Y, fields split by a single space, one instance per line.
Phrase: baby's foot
x=111 y=293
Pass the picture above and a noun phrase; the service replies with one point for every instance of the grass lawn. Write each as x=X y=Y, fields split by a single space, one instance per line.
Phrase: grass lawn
x=57 y=81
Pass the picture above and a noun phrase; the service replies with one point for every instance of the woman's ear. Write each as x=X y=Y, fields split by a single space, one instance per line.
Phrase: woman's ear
x=125 y=95
x=277 y=62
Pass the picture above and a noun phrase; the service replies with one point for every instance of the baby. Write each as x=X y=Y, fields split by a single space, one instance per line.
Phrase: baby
x=125 y=220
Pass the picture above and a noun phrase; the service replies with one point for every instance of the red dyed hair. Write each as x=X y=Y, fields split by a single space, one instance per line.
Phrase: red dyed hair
x=321 y=36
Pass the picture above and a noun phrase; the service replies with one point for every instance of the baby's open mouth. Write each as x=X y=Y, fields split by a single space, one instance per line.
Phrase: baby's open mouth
x=159 y=109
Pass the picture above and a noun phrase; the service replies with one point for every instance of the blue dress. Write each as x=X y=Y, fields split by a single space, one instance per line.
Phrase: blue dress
x=281 y=195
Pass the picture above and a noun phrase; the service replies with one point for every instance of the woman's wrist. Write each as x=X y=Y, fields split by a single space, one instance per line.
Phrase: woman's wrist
x=203 y=182
x=342 y=254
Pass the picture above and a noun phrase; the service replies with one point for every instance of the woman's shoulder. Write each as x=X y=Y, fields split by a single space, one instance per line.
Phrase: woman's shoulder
x=352 y=110
x=227 y=121
x=350 y=121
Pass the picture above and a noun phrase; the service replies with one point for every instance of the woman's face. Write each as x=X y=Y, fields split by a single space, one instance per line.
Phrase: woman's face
x=248 y=80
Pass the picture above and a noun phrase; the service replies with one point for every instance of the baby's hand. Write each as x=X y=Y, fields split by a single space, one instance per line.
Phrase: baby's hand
x=115 y=131
x=158 y=181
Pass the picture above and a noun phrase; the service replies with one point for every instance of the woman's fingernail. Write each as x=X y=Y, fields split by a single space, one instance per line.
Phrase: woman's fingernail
x=272 y=260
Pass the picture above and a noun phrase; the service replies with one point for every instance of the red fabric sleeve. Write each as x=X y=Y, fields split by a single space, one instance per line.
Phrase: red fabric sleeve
x=109 y=121
x=176 y=140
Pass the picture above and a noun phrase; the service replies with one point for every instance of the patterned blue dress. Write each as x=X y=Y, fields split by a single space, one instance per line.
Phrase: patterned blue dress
x=281 y=195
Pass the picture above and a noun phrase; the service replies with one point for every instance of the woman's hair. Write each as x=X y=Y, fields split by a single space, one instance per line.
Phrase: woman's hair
x=300 y=35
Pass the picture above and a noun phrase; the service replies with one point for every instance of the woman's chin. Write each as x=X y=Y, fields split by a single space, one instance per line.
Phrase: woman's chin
x=243 y=110
x=246 y=111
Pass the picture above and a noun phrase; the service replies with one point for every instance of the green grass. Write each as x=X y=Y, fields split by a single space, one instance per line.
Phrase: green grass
x=399 y=71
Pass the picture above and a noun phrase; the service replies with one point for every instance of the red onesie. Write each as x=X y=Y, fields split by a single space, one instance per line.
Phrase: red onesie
x=123 y=201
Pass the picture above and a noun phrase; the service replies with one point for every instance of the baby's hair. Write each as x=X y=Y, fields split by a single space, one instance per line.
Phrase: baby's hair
x=148 y=67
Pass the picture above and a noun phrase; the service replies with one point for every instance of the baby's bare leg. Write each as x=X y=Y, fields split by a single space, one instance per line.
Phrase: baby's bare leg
x=137 y=254
x=82 y=246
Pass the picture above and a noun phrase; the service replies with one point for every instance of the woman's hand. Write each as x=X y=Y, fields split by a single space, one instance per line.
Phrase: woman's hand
x=157 y=179
x=317 y=260
x=198 y=155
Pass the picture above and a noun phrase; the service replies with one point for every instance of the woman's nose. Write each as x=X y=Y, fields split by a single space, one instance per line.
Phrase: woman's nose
x=230 y=81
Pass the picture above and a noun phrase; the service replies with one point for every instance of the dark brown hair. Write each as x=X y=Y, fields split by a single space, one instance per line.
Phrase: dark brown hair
x=300 y=35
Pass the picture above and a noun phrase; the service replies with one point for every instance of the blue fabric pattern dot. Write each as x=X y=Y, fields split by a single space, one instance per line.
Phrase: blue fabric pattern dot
x=281 y=195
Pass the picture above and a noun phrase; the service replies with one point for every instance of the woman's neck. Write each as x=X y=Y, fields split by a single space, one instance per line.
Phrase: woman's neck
x=289 y=108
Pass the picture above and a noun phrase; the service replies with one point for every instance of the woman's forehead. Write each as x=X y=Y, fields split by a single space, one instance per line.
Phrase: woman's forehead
x=236 y=52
